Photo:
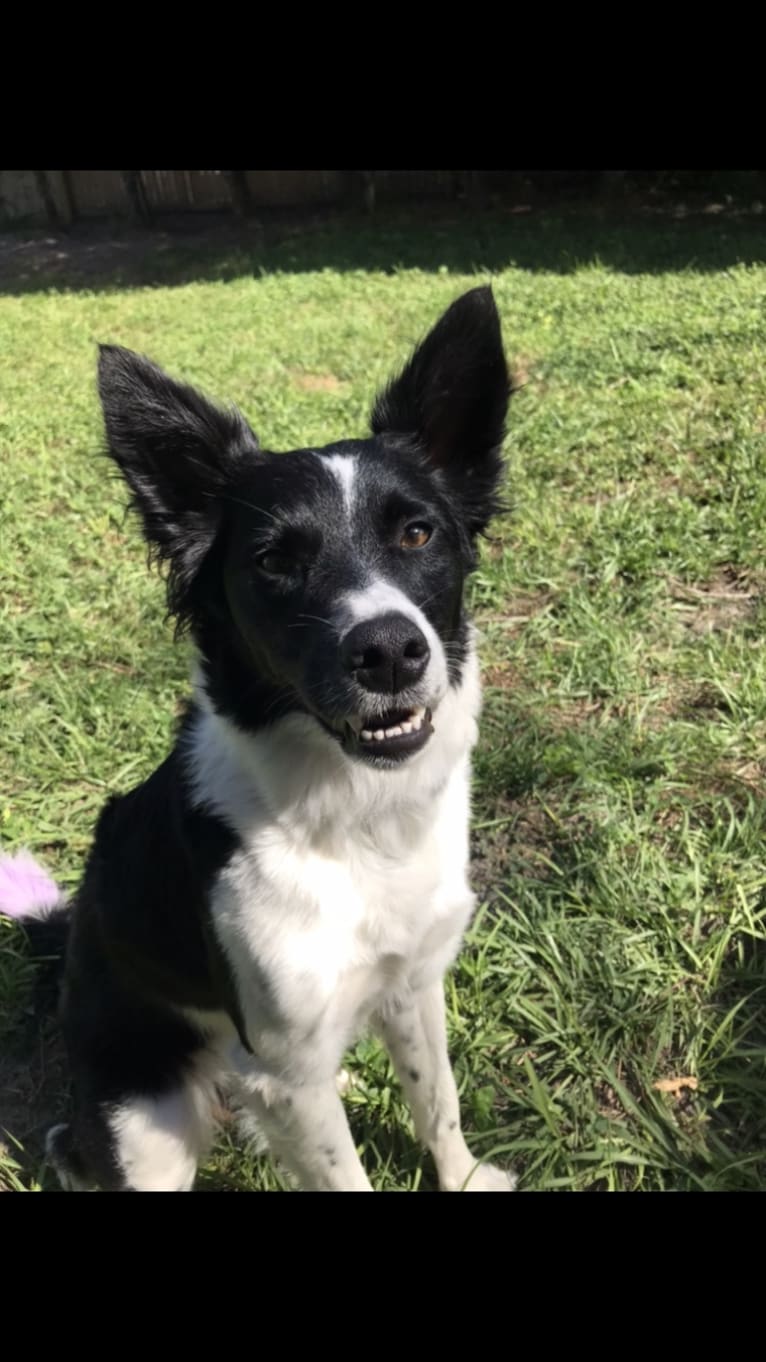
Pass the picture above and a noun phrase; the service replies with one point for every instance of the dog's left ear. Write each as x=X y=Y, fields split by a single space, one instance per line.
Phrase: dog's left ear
x=452 y=398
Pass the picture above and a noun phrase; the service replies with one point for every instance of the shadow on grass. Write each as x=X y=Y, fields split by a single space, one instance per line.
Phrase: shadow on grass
x=34 y=1094
x=537 y=839
x=739 y=1120
x=97 y=257
x=572 y=825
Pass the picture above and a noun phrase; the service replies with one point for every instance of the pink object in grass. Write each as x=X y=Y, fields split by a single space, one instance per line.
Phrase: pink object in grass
x=26 y=890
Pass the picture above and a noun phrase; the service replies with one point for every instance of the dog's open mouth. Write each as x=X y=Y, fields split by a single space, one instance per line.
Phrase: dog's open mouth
x=396 y=734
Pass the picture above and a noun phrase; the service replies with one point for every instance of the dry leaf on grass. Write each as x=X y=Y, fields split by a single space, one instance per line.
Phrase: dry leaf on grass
x=675 y=1085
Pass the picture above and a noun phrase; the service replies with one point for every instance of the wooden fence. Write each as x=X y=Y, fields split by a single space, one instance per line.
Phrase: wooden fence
x=58 y=198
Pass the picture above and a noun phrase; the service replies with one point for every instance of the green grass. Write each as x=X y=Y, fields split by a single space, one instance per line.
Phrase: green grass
x=619 y=794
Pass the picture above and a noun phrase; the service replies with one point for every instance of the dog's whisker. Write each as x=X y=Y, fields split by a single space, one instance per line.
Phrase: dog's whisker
x=237 y=501
x=286 y=693
x=319 y=619
x=433 y=596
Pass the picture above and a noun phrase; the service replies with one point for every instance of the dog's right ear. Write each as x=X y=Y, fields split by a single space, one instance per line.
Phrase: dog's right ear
x=452 y=398
x=178 y=454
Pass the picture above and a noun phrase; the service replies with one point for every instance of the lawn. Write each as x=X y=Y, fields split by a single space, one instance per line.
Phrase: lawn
x=607 y=1012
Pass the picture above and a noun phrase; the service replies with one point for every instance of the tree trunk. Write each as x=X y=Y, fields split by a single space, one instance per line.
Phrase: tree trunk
x=475 y=188
x=613 y=183
x=69 y=197
x=360 y=189
x=239 y=191
x=49 y=203
x=136 y=195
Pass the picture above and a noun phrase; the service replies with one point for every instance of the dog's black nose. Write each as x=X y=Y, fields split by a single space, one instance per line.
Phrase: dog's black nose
x=386 y=654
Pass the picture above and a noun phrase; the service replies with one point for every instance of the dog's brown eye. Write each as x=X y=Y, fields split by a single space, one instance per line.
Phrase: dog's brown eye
x=415 y=536
x=276 y=564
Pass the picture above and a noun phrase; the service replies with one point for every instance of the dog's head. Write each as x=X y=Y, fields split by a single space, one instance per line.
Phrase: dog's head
x=324 y=580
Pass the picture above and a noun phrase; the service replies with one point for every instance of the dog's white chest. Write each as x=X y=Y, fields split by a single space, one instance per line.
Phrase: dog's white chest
x=337 y=930
x=348 y=890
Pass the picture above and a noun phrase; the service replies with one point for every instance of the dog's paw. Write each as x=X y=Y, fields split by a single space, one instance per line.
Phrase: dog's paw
x=56 y=1142
x=487 y=1178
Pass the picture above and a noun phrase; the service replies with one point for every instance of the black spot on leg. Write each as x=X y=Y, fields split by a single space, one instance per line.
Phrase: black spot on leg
x=414 y=1075
x=453 y=1125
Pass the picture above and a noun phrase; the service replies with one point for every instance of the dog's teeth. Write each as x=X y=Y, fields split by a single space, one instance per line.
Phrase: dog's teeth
x=410 y=725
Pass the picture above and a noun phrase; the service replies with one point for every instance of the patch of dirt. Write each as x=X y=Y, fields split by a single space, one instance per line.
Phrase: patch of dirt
x=725 y=600
x=486 y=871
x=118 y=668
x=671 y=484
x=527 y=837
x=522 y=607
x=568 y=714
x=521 y=371
x=494 y=549
x=498 y=676
x=518 y=838
x=701 y=701
x=33 y=1090
x=735 y=781
x=735 y=778
x=317 y=383
x=686 y=699
x=21 y=260
x=502 y=675
x=670 y=817
x=609 y=1104
x=690 y=700
x=96 y=252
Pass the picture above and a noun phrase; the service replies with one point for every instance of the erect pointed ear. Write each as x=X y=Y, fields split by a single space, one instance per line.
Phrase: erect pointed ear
x=178 y=454
x=452 y=398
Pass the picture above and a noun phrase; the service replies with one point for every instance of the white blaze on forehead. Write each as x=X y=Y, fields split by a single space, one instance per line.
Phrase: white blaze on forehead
x=383 y=598
x=343 y=468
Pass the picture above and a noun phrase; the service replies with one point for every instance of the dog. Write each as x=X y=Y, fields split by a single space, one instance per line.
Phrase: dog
x=296 y=869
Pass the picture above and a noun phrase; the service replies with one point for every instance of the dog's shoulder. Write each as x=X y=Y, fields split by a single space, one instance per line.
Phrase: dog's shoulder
x=146 y=890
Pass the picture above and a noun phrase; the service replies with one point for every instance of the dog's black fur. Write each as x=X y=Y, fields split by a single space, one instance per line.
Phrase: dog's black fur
x=256 y=555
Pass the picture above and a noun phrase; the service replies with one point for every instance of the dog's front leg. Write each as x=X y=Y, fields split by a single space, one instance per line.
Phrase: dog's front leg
x=307 y=1131
x=416 y=1039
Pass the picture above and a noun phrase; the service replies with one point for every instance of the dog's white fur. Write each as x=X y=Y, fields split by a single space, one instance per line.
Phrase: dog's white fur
x=345 y=905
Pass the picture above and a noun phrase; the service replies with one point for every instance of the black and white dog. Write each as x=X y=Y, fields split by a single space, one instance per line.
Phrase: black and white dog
x=297 y=867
